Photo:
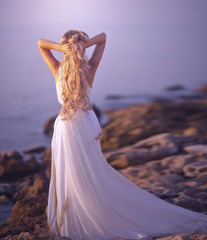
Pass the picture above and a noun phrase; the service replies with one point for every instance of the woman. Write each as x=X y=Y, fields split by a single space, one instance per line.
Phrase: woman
x=88 y=199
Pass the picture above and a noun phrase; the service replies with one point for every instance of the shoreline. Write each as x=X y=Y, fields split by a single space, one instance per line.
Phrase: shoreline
x=161 y=146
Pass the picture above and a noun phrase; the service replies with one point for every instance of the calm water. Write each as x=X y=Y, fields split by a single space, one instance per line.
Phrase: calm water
x=138 y=66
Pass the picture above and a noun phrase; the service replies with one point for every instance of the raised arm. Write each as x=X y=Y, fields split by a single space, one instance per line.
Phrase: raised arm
x=45 y=46
x=100 y=42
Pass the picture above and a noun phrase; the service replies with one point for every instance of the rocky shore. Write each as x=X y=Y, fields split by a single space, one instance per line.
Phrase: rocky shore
x=161 y=146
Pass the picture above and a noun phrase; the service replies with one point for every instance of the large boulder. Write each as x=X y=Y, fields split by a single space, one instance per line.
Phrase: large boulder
x=153 y=148
x=13 y=167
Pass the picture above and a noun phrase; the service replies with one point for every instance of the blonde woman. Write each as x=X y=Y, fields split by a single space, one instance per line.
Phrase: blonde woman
x=89 y=199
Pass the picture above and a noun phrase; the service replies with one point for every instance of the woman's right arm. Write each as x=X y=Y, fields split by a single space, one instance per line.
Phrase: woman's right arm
x=100 y=41
x=45 y=47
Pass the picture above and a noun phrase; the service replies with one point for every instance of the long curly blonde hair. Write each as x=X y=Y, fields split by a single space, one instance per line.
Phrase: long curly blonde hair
x=73 y=79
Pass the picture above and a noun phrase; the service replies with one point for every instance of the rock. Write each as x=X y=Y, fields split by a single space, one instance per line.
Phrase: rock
x=190 y=131
x=202 y=89
x=189 y=139
x=97 y=111
x=5 y=211
x=128 y=125
x=190 y=203
x=22 y=236
x=195 y=169
x=37 y=149
x=176 y=163
x=3 y=199
x=46 y=162
x=28 y=215
x=198 y=148
x=113 y=96
x=32 y=161
x=37 y=184
x=41 y=185
x=14 y=169
x=10 y=154
x=161 y=145
x=49 y=126
x=175 y=88
x=185 y=237
x=153 y=148
x=8 y=189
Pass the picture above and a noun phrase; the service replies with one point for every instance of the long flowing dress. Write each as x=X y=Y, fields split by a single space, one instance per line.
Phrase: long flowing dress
x=89 y=199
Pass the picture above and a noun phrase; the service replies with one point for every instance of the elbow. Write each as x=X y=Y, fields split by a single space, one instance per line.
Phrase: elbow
x=104 y=35
x=39 y=42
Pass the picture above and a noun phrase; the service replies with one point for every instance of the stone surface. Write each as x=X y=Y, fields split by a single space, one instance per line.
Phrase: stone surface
x=36 y=149
x=134 y=123
x=149 y=149
x=202 y=89
x=10 y=154
x=195 y=169
x=175 y=88
x=13 y=169
x=8 y=189
x=198 y=148
x=4 y=200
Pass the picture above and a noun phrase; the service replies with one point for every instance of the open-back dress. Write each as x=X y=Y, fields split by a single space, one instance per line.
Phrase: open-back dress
x=89 y=200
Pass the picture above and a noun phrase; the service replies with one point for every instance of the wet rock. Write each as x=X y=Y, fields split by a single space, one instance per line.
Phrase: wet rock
x=48 y=127
x=10 y=154
x=191 y=203
x=3 y=199
x=97 y=111
x=152 y=148
x=175 y=88
x=32 y=187
x=202 y=89
x=175 y=164
x=46 y=157
x=195 y=169
x=8 y=189
x=37 y=149
x=14 y=169
x=185 y=237
x=187 y=140
x=28 y=215
x=41 y=185
x=5 y=211
x=190 y=131
x=113 y=96
x=198 y=148
x=22 y=236
x=32 y=161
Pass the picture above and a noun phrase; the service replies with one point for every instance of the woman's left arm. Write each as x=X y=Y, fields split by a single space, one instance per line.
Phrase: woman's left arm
x=50 y=60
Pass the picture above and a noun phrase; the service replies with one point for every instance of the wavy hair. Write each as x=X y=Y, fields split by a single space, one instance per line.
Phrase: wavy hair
x=73 y=79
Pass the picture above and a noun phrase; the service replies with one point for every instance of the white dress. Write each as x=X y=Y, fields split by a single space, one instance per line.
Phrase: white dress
x=89 y=200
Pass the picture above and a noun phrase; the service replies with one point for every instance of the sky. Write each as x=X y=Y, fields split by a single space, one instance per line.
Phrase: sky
x=157 y=42
x=102 y=13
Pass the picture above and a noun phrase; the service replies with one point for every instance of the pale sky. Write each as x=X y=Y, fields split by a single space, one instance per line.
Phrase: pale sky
x=149 y=42
x=102 y=12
